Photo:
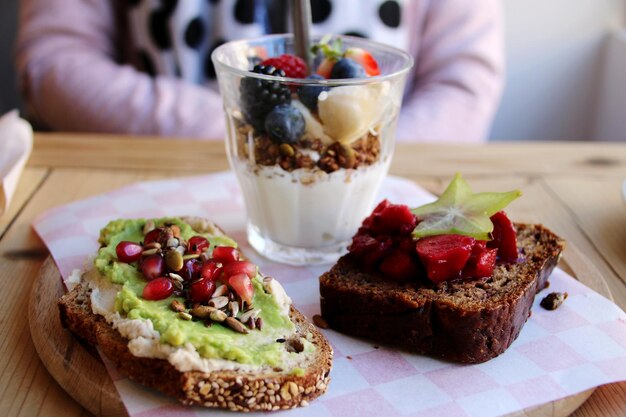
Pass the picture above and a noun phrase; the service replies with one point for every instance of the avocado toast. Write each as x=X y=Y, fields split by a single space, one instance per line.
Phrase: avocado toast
x=174 y=305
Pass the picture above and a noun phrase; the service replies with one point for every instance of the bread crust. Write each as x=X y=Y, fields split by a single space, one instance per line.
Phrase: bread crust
x=238 y=391
x=468 y=321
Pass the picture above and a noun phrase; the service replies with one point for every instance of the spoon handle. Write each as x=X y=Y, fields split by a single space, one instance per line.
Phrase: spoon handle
x=301 y=17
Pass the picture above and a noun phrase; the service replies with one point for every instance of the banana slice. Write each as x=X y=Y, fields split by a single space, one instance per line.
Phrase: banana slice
x=348 y=112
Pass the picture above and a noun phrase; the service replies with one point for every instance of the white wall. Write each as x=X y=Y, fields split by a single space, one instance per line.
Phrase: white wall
x=610 y=123
x=555 y=59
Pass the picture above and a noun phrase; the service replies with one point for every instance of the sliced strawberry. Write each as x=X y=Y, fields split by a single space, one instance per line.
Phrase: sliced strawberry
x=242 y=285
x=481 y=262
x=444 y=256
x=294 y=66
x=363 y=57
x=240 y=267
x=504 y=237
x=326 y=67
x=399 y=266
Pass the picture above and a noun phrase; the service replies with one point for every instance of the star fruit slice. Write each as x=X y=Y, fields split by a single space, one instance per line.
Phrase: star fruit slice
x=460 y=211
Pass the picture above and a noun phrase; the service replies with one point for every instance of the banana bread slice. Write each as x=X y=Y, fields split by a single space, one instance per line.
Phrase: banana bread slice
x=467 y=321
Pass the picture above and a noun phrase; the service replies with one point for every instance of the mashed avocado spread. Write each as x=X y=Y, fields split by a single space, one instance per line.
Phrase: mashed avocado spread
x=258 y=347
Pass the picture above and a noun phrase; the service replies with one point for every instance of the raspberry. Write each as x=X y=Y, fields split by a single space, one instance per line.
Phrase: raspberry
x=293 y=66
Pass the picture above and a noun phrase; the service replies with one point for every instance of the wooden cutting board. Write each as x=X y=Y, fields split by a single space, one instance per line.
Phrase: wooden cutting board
x=78 y=369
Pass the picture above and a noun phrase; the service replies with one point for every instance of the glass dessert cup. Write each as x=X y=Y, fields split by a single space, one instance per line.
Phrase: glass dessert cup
x=307 y=191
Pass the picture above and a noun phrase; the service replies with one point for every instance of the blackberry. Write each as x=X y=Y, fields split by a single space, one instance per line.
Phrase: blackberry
x=259 y=97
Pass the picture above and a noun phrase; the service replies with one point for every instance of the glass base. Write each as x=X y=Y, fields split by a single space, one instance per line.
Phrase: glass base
x=294 y=255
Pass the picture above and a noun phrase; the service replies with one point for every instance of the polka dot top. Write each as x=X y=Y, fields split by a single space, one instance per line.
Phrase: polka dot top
x=176 y=38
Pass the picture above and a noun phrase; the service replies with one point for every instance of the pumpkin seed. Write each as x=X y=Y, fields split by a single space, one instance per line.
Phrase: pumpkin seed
x=173 y=260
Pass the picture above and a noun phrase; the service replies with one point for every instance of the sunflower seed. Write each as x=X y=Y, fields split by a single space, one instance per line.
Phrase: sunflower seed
x=177 y=306
x=202 y=312
x=218 y=302
x=176 y=277
x=267 y=286
x=191 y=256
x=251 y=323
x=236 y=325
x=259 y=323
x=218 y=316
x=148 y=227
x=149 y=252
x=220 y=291
x=152 y=245
x=185 y=316
x=234 y=308
x=252 y=313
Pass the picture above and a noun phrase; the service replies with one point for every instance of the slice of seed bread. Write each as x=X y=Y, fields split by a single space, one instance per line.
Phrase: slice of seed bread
x=467 y=321
x=262 y=390
x=240 y=391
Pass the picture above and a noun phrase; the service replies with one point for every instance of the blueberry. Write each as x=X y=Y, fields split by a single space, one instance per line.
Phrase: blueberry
x=347 y=68
x=308 y=94
x=284 y=124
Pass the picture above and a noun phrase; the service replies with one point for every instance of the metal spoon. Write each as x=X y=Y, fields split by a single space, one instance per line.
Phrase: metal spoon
x=301 y=19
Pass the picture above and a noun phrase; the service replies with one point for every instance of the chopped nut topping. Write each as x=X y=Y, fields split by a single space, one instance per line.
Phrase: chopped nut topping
x=553 y=300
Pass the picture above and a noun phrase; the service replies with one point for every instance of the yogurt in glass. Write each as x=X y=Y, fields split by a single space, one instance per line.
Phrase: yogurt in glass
x=308 y=187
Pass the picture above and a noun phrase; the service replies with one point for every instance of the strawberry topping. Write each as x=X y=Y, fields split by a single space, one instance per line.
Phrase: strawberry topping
x=367 y=61
x=504 y=237
x=444 y=256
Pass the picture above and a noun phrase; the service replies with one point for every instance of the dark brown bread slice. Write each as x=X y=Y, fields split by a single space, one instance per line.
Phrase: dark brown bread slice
x=467 y=321
x=240 y=391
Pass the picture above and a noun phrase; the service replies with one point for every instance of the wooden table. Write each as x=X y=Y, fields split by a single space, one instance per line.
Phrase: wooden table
x=574 y=188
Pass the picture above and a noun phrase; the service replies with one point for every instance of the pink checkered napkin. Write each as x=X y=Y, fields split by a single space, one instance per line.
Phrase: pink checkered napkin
x=558 y=353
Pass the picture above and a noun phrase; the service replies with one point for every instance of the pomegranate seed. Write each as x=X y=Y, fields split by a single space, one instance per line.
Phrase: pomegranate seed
x=201 y=291
x=197 y=245
x=225 y=254
x=158 y=289
x=242 y=286
x=240 y=267
x=152 y=266
x=191 y=269
x=153 y=236
x=128 y=251
x=211 y=270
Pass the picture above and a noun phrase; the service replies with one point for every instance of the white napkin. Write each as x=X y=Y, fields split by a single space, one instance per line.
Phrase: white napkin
x=16 y=144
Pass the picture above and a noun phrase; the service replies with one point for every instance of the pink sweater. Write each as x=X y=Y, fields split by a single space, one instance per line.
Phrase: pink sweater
x=74 y=75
